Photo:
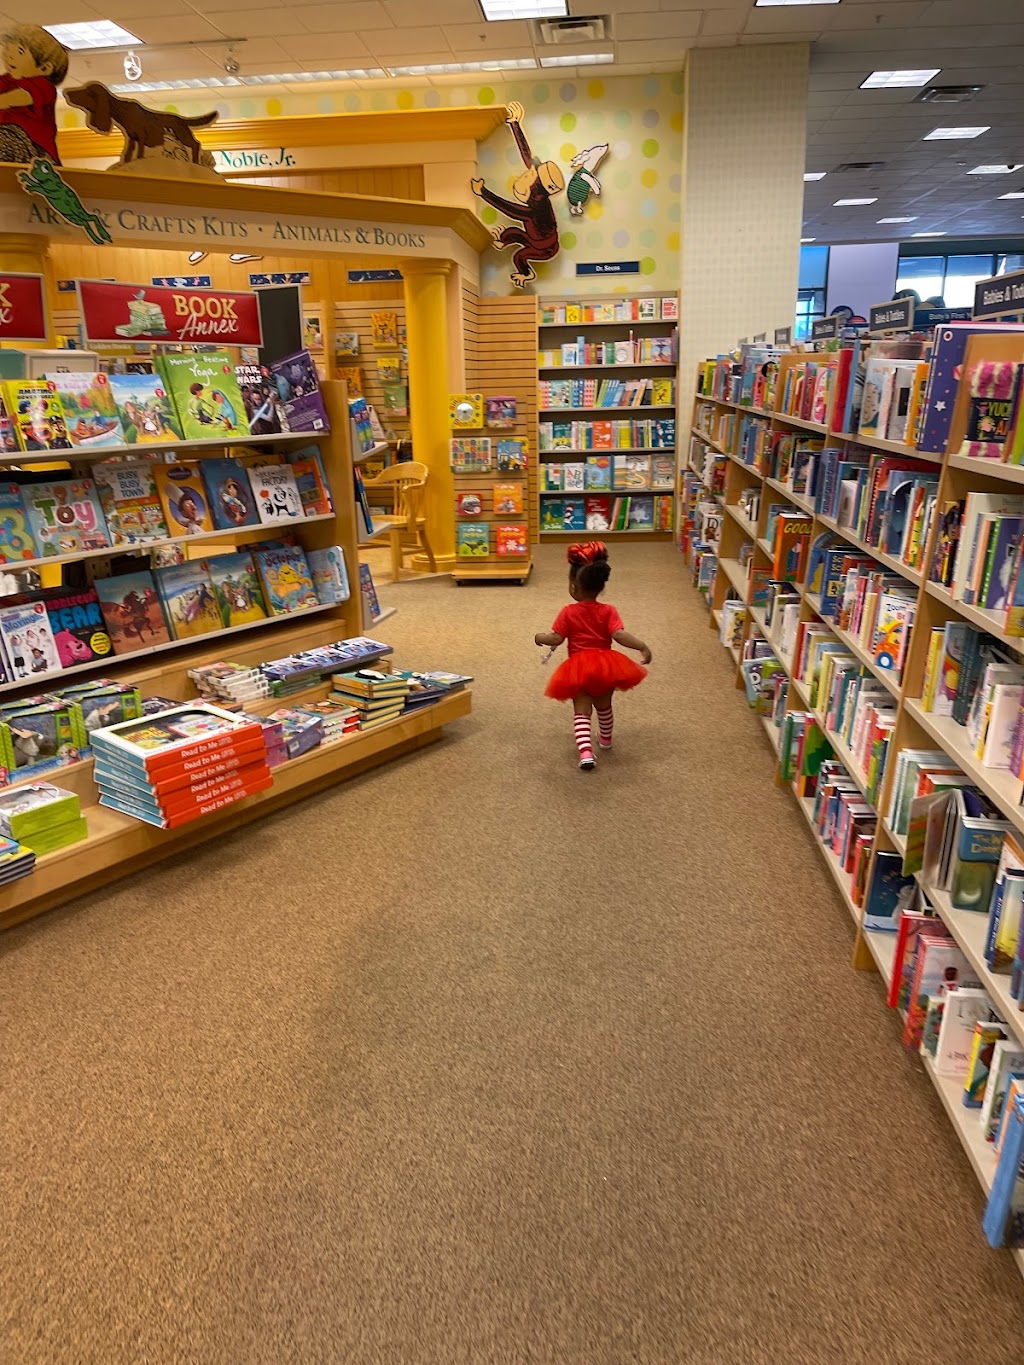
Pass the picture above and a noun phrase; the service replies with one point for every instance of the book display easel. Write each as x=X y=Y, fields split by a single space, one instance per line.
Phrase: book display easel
x=866 y=590
x=607 y=415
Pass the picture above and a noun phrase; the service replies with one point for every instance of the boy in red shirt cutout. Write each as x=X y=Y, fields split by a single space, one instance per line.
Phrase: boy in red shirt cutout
x=593 y=670
x=32 y=65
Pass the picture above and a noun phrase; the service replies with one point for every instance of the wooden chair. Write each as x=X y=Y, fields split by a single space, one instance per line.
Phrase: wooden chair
x=407 y=525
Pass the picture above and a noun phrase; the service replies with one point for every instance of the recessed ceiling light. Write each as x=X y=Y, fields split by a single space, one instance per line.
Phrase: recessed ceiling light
x=99 y=33
x=927 y=234
x=995 y=170
x=851 y=203
x=898 y=220
x=803 y=240
x=952 y=134
x=453 y=68
x=581 y=59
x=891 y=80
x=815 y=175
x=1014 y=194
x=525 y=9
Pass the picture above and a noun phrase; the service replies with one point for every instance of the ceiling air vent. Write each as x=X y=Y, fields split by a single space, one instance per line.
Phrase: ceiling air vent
x=556 y=32
x=947 y=94
x=860 y=166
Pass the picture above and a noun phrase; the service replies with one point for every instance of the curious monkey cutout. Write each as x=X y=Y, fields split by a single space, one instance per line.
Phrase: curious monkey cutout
x=537 y=238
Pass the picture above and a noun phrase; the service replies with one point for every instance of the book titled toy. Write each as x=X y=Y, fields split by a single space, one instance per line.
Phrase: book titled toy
x=206 y=395
x=183 y=496
x=145 y=409
x=287 y=582
x=131 y=504
x=90 y=413
x=65 y=516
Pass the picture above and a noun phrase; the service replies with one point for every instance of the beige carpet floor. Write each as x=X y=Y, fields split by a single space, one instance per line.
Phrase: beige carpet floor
x=480 y=1059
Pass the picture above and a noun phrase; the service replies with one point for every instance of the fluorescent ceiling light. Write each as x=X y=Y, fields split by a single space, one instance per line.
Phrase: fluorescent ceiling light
x=892 y=80
x=767 y=3
x=99 y=33
x=952 y=134
x=851 y=203
x=453 y=68
x=995 y=170
x=1014 y=194
x=927 y=234
x=199 y=83
x=582 y=59
x=898 y=220
x=815 y=175
x=524 y=9
x=807 y=239
x=273 y=78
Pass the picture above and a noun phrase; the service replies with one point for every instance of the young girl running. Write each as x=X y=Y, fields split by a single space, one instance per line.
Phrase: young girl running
x=593 y=670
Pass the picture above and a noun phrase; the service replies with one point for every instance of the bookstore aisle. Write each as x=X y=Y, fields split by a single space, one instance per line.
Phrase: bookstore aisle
x=480 y=1059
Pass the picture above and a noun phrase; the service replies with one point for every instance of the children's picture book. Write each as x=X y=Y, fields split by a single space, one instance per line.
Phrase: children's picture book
x=508 y=499
x=329 y=574
x=131 y=504
x=473 y=540
x=500 y=411
x=312 y=330
x=276 y=493
x=511 y=541
x=352 y=377
x=189 y=601
x=466 y=410
x=574 y=513
x=384 y=330
x=287 y=581
x=183 y=496
x=598 y=474
x=469 y=503
x=76 y=623
x=598 y=513
x=37 y=415
x=471 y=454
x=16 y=540
x=205 y=393
x=231 y=499
x=237 y=588
x=262 y=403
x=396 y=399
x=131 y=611
x=371 y=606
x=90 y=413
x=511 y=455
x=346 y=344
x=28 y=640
x=389 y=369
x=145 y=409
x=65 y=516
x=311 y=481
x=298 y=387
x=662 y=393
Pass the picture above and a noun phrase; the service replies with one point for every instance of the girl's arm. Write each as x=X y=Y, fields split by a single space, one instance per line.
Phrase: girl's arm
x=548 y=637
x=623 y=637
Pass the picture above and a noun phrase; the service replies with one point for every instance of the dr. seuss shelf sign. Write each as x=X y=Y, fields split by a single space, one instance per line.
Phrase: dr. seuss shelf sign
x=22 y=309
x=141 y=312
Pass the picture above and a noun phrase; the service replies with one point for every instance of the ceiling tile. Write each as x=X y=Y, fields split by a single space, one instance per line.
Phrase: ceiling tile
x=410 y=13
x=479 y=39
x=680 y=24
x=187 y=28
x=391 y=41
x=335 y=51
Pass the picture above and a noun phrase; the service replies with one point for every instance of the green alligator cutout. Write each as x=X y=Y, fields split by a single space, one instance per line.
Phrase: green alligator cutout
x=43 y=178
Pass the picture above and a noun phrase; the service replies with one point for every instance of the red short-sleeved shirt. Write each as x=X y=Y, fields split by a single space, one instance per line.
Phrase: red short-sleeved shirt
x=588 y=625
x=37 y=119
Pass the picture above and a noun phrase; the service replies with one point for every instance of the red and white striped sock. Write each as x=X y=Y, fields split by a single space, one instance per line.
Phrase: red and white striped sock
x=605 y=721
x=581 y=729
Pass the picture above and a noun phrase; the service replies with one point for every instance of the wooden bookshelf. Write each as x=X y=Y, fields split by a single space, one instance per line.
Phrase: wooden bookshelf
x=550 y=337
x=914 y=726
x=118 y=844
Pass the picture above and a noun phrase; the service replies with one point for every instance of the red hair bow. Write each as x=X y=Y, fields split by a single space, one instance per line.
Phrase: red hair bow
x=586 y=553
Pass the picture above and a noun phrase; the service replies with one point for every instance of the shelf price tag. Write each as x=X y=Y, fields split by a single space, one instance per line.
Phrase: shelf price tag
x=22 y=308
x=144 y=312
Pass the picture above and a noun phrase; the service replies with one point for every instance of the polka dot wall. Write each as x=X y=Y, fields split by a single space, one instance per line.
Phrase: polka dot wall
x=635 y=217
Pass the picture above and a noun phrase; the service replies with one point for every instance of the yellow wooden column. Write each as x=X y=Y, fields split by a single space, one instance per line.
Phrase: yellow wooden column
x=426 y=325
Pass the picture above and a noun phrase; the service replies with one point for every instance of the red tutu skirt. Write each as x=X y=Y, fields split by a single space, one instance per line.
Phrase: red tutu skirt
x=594 y=671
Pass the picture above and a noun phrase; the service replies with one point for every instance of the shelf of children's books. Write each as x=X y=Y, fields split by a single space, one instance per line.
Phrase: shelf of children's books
x=813 y=600
x=622 y=322
x=843 y=752
x=970 y=929
x=805 y=504
x=292 y=523
x=754 y=412
x=992 y=621
x=772 y=731
x=563 y=452
x=967 y=1123
x=820 y=427
x=898 y=841
x=889 y=680
x=619 y=365
x=744 y=522
x=839 y=875
x=58 y=675
x=881 y=944
x=596 y=492
x=742 y=464
x=890 y=561
x=991 y=469
x=374 y=453
x=889 y=447
x=764 y=547
x=621 y=407
x=703 y=436
x=736 y=573
x=630 y=533
x=757 y=616
x=998 y=784
x=799 y=686
x=95 y=455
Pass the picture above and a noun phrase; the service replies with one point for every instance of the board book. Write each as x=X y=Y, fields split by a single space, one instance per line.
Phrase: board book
x=183 y=498
x=205 y=394
x=131 y=504
x=236 y=586
x=131 y=611
x=65 y=516
x=232 y=502
x=287 y=582
x=189 y=600
x=145 y=408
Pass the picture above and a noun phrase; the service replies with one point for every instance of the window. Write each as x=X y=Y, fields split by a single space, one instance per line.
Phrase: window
x=811 y=297
x=1008 y=261
x=947 y=281
x=925 y=275
x=962 y=274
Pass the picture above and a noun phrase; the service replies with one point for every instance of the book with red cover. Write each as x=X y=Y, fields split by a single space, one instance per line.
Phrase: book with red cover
x=912 y=922
x=840 y=388
x=792 y=536
x=183 y=817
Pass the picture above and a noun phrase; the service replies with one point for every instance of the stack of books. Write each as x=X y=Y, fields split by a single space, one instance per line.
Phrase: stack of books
x=302 y=729
x=337 y=717
x=176 y=766
x=41 y=818
x=377 y=697
x=15 y=861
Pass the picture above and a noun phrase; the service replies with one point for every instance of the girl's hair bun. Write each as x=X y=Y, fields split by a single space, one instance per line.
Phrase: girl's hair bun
x=587 y=552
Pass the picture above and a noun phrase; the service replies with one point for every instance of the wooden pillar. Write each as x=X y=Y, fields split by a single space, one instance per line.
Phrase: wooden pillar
x=426 y=324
